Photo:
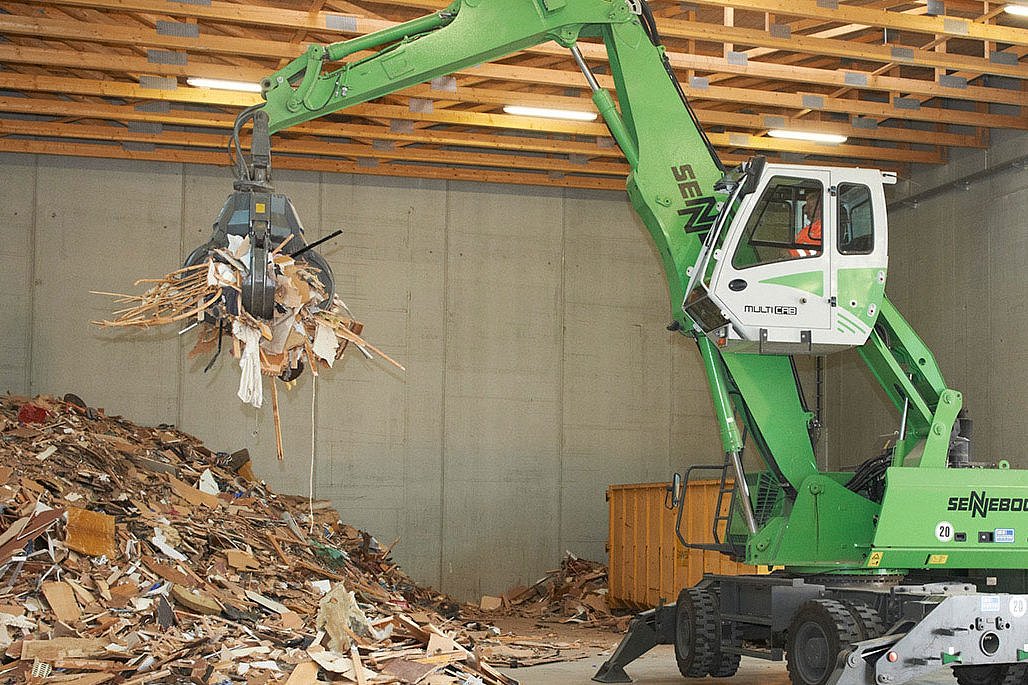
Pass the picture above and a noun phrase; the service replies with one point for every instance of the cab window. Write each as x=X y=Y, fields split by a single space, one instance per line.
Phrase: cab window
x=856 y=219
x=785 y=224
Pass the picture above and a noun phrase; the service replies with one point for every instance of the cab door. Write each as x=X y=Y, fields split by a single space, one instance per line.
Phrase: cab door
x=774 y=277
x=860 y=258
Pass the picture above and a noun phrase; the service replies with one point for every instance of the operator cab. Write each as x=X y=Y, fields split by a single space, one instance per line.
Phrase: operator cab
x=796 y=263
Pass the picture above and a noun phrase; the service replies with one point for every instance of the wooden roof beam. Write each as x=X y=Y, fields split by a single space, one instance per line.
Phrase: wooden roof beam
x=58 y=107
x=501 y=121
x=319 y=148
x=954 y=27
x=536 y=75
x=41 y=83
x=172 y=155
x=295 y=144
x=670 y=27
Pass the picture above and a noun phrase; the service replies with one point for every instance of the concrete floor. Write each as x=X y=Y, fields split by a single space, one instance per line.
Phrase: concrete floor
x=658 y=668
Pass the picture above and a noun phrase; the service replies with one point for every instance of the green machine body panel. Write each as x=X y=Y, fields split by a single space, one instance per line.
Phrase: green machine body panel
x=944 y=518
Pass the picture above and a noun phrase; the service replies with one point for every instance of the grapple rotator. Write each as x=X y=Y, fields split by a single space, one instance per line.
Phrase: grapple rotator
x=268 y=219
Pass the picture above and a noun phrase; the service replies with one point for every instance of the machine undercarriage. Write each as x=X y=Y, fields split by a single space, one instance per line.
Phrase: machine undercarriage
x=837 y=630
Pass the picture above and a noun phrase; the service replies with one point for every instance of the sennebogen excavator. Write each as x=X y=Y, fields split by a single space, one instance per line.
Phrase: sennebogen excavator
x=907 y=564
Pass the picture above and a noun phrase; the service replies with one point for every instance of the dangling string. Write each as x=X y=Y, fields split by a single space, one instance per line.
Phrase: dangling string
x=310 y=484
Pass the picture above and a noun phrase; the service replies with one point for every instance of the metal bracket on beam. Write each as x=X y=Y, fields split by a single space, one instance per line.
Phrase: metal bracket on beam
x=158 y=82
x=180 y=29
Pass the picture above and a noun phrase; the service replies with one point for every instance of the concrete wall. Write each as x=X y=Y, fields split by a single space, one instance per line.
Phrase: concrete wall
x=531 y=322
x=957 y=273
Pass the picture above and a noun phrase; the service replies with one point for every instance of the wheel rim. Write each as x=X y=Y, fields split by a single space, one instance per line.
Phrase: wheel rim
x=813 y=658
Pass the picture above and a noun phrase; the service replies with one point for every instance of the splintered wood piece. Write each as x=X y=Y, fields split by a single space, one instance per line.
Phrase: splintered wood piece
x=439 y=645
x=91 y=665
x=343 y=330
x=290 y=621
x=358 y=665
x=408 y=671
x=62 y=648
x=279 y=552
x=489 y=603
x=197 y=602
x=23 y=530
x=192 y=495
x=81 y=679
x=61 y=598
x=241 y=560
x=278 y=421
x=168 y=573
x=180 y=295
x=266 y=602
x=90 y=533
x=305 y=673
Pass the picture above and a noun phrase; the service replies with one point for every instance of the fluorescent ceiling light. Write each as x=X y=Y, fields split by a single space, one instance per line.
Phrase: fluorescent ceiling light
x=1017 y=10
x=550 y=113
x=220 y=84
x=827 y=138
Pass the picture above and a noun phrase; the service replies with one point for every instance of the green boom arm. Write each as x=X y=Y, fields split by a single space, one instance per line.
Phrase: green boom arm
x=673 y=167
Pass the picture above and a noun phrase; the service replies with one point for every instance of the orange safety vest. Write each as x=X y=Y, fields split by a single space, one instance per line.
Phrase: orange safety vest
x=809 y=235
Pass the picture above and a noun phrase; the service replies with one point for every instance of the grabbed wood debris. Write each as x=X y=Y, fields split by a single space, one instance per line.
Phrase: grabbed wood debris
x=309 y=329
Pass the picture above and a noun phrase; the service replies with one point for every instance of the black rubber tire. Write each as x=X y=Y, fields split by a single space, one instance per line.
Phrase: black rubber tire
x=1017 y=674
x=981 y=675
x=819 y=631
x=869 y=621
x=696 y=628
x=726 y=665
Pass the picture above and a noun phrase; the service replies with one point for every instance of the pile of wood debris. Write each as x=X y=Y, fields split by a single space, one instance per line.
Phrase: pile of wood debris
x=309 y=328
x=574 y=593
x=136 y=555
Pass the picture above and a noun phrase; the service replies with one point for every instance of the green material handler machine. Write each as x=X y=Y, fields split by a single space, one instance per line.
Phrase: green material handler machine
x=906 y=565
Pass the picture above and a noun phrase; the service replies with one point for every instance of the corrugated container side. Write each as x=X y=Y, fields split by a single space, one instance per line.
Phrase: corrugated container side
x=648 y=566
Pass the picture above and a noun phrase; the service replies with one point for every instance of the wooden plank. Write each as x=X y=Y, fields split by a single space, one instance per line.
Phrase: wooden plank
x=106 y=34
x=542 y=76
x=80 y=109
x=317 y=21
x=956 y=27
x=836 y=48
x=307 y=164
x=333 y=129
x=318 y=148
x=61 y=598
x=750 y=97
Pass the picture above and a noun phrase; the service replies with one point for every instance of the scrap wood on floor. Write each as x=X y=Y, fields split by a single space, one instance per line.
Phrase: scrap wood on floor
x=563 y=616
x=574 y=593
x=137 y=555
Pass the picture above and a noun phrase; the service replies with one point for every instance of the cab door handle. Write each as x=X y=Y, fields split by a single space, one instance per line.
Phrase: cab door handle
x=737 y=285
